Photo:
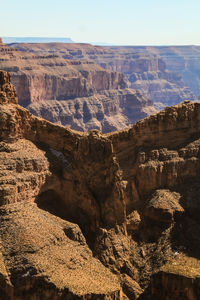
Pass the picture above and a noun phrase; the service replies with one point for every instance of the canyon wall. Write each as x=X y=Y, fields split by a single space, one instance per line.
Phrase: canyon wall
x=134 y=195
x=166 y=75
x=78 y=94
x=50 y=77
x=184 y=60
x=107 y=111
x=62 y=72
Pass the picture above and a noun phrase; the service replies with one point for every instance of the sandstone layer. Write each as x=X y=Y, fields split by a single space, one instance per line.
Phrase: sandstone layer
x=79 y=94
x=166 y=75
x=47 y=77
x=134 y=194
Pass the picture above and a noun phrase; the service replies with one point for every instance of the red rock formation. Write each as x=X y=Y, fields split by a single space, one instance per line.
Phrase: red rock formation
x=48 y=77
x=78 y=94
x=106 y=111
x=159 y=73
x=134 y=194
x=25 y=170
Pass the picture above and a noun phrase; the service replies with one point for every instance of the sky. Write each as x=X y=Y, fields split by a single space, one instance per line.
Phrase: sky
x=119 y=22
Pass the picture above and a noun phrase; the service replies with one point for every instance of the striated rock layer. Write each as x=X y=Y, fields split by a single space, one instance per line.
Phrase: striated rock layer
x=38 y=77
x=166 y=75
x=183 y=60
x=78 y=94
x=107 y=111
x=134 y=195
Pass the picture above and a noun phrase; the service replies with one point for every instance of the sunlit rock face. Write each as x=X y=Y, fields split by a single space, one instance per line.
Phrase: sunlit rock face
x=166 y=75
x=77 y=94
x=99 y=216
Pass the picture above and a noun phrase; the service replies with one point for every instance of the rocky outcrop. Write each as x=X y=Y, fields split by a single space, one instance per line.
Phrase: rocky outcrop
x=179 y=280
x=7 y=90
x=166 y=75
x=18 y=124
x=61 y=266
x=134 y=194
x=78 y=94
x=163 y=206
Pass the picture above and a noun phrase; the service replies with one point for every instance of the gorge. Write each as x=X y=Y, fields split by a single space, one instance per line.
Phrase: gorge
x=166 y=75
x=106 y=88
x=78 y=94
x=117 y=213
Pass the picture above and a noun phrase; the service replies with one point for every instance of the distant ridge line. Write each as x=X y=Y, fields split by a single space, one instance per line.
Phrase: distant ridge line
x=10 y=40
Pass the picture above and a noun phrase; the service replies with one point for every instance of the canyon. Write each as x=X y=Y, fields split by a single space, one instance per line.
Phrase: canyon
x=117 y=213
x=74 y=93
x=166 y=75
x=106 y=88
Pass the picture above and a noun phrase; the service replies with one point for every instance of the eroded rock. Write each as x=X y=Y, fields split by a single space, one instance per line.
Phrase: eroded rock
x=166 y=75
x=56 y=267
x=133 y=195
x=163 y=206
x=77 y=94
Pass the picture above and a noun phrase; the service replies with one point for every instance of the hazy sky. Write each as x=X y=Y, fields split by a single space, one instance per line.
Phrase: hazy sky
x=127 y=22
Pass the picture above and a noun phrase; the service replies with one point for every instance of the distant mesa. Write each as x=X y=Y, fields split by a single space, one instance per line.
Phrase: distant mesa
x=10 y=40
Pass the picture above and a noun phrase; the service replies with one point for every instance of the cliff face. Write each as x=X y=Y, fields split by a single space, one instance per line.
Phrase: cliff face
x=28 y=265
x=184 y=60
x=78 y=94
x=166 y=75
x=107 y=111
x=50 y=77
x=180 y=61
x=179 y=278
x=70 y=83
x=134 y=194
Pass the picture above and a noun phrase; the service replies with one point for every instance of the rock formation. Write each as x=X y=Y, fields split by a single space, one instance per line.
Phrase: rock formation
x=185 y=60
x=106 y=111
x=50 y=77
x=134 y=195
x=61 y=266
x=166 y=75
x=80 y=95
